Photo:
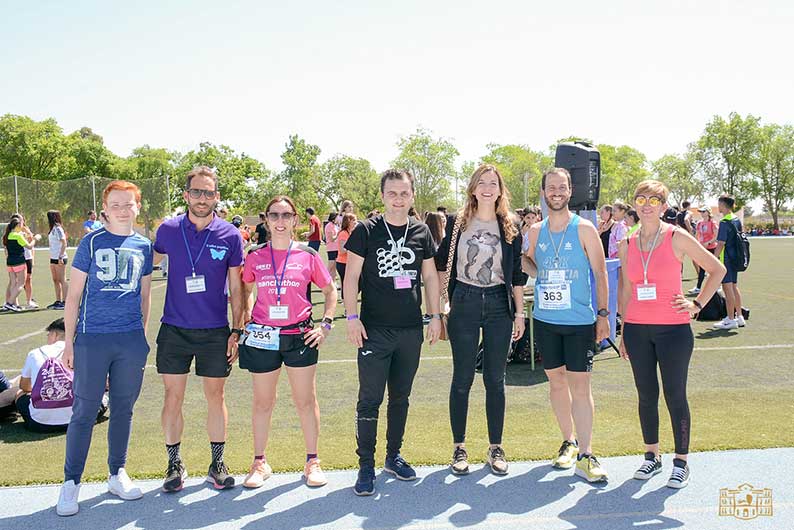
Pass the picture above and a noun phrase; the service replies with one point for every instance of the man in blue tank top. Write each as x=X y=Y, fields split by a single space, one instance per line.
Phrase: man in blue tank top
x=563 y=249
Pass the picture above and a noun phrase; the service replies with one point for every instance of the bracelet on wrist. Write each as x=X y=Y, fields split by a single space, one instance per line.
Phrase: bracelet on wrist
x=352 y=317
x=698 y=305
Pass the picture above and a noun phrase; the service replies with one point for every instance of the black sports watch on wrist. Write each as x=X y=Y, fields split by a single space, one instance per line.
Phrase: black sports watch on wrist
x=603 y=312
x=238 y=331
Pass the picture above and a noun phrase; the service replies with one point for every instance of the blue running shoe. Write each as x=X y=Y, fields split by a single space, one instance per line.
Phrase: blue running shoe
x=398 y=467
x=365 y=484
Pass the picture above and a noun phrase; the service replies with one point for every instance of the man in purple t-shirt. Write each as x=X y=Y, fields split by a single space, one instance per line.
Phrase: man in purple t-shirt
x=202 y=251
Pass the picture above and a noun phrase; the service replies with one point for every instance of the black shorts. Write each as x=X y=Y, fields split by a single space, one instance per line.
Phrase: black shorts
x=332 y=255
x=569 y=346
x=57 y=261
x=292 y=352
x=177 y=346
x=29 y=265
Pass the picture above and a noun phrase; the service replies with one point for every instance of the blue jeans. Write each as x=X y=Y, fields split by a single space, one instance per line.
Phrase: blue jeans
x=473 y=309
x=119 y=359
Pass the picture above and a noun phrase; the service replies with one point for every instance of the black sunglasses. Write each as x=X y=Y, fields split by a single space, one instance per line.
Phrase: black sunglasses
x=196 y=194
x=286 y=216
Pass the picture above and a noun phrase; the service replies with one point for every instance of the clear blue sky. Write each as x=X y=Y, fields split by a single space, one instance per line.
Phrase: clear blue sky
x=353 y=76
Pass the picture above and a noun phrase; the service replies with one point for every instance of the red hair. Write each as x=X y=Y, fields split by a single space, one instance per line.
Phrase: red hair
x=121 y=185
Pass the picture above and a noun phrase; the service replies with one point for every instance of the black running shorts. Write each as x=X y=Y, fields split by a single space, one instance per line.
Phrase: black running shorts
x=176 y=348
x=292 y=353
x=569 y=346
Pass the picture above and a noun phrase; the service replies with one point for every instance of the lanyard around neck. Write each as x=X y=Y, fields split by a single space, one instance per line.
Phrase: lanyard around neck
x=647 y=262
x=187 y=246
x=279 y=282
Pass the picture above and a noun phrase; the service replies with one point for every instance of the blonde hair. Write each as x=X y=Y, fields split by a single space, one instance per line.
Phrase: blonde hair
x=652 y=187
x=503 y=212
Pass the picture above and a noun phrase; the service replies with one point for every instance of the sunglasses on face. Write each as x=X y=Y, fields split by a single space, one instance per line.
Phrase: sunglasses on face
x=275 y=216
x=196 y=194
x=653 y=200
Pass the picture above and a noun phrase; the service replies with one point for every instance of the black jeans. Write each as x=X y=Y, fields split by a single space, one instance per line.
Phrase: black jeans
x=473 y=309
x=669 y=346
x=390 y=356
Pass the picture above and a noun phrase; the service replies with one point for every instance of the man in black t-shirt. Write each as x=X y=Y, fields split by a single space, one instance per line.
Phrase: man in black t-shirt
x=389 y=254
x=260 y=231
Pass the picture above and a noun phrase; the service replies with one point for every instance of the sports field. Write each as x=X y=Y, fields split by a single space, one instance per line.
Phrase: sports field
x=741 y=394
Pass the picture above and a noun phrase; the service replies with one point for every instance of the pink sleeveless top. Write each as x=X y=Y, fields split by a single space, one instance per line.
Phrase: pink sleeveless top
x=664 y=270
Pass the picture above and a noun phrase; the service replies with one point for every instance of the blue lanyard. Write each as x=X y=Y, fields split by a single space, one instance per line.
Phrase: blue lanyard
x=187 y=246
x=280 y=282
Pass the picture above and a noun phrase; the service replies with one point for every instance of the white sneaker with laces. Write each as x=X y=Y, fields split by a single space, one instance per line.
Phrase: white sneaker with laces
x=122 y=486
x=727 y=323
x=67 y=500
x=32 y=305
x=693 y=290
x=741 y=321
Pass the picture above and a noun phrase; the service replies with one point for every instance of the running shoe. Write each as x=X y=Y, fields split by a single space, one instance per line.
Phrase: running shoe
x=218 y=475
x=15 y=308
x=590 y=469
x=365 y=484
x=67 y=499
x=566 y=457
x=259 y=473
x=53 y=305
x=397 y=466
x=32 y=304
x=652 y=466
x=175 y=477
x=460 y=461
x=679 y=478
x=694 y=290
x=313 y=474
x=6 y=307
x=740 y=321
x=121 y=485
x=727 y=323
x=496 y=459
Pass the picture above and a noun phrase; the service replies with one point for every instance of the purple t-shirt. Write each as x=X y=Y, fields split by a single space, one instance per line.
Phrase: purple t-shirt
x=224 y=249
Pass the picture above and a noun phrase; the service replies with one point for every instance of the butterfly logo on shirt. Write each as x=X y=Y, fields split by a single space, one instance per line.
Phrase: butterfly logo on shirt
x=217 y=254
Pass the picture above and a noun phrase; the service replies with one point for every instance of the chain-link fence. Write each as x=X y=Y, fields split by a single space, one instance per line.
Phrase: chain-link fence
x=74 y=198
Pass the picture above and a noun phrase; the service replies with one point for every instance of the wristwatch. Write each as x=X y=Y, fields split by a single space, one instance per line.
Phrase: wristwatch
x=603 y=312
x=326 y=323
x=238 y=331
x=436 y=315
x=699 y=306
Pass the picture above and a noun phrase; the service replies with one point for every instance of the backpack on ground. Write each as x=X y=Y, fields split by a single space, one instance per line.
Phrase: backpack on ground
x=53 y=386
x=715 y=309
x=742 y=244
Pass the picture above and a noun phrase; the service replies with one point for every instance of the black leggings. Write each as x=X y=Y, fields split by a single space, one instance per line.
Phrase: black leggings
x=669 y=346
x=702 y=271
x=340 y=268
x=474 y=309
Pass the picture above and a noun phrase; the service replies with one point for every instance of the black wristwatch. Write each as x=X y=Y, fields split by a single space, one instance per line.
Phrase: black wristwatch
x=700 y=307
x=238 y=331
x=603 y=312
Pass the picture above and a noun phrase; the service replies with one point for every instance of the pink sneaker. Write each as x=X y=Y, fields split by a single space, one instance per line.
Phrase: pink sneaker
x=313 y=473
x=260 y=472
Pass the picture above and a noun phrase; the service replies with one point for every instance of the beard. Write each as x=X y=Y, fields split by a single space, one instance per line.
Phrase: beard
x=194 y=209
x=563 y=206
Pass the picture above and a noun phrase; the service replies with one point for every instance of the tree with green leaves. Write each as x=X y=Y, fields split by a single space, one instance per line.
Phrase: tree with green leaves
x=521 y=168
x=679 y=174
x=32 y=149
x=299 y=179
x=725 y=154
x=622 y=168
x=774 y=166
x=432 y=163
x=345 y=177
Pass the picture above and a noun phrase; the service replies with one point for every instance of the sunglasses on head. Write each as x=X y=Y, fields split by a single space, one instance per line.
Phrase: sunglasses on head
x=196 y=194
x=274 y=216
x=653 y=200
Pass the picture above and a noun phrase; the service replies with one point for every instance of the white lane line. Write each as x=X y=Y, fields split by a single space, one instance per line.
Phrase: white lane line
x=449 y=357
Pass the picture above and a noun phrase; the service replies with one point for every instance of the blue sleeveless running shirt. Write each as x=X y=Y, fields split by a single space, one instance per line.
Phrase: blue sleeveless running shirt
x=562 y=289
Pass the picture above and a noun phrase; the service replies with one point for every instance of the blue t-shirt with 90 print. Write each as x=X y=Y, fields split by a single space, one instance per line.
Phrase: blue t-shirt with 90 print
x=111 y=301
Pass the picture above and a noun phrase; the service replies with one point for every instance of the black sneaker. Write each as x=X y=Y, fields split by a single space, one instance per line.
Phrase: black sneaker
x=679 y=478
x=218 y=475
x=460 y=461
x=175 y=477
x=397 y=466
x=365 y=484
x=496 y=459
x=54 y=305
x=652 y=466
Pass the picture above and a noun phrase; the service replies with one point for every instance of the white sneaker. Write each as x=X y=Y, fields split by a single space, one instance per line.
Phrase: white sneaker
x=122 y=486
x=693 y=290
x=741 y=321
x=727 y=323
x=67 y=500
x=32 y=305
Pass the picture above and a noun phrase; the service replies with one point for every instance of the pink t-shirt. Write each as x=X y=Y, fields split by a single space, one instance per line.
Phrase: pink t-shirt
x=304 y=266
x=330 y=233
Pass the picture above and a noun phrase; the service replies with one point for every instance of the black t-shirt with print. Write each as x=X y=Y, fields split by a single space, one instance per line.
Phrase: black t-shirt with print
x=382 y=305
x=262 y=235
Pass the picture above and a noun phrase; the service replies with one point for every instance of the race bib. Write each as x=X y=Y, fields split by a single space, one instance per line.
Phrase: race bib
x=279 y=312
x=195 y=284
x=646 y=292
x=554 y=296
x=262 y=337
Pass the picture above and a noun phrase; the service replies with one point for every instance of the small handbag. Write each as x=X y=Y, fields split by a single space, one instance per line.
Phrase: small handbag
x=445 y=288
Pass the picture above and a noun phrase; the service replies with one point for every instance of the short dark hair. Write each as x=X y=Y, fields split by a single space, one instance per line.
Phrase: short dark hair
x=559 y=170
x=727 y=200
x=396 y=174
x=310 y=210
x=633 y=214
x=262 y=215
x=442 y=209
x=91 y=212
x=203 y=171
x=57 y=326
x=685 y=205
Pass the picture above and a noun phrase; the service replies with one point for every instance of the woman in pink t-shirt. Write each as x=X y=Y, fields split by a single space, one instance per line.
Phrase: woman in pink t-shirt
x=280 y=330
x=656 y=329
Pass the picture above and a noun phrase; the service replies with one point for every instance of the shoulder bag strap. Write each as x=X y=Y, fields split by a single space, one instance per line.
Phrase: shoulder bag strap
x=450 y=256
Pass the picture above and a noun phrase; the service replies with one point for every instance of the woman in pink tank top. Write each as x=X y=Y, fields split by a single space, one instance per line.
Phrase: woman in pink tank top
x=656 y=329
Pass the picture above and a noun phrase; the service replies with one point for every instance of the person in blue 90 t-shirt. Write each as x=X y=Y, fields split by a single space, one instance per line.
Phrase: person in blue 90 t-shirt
x=107 y=309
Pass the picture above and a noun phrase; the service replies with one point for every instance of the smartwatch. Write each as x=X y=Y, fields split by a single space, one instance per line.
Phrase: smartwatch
x=326 y=323
x=603 y=312
x=237 y=330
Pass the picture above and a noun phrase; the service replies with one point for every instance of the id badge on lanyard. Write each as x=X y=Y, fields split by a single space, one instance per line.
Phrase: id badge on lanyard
x=278 y=312
x=402 y=282
x=195 y=284
x=646 y=292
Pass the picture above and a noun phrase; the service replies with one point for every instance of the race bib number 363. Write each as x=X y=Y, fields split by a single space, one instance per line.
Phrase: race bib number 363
x=554 y=296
